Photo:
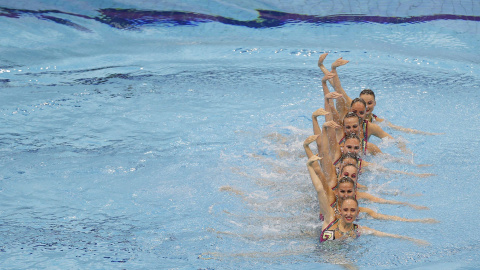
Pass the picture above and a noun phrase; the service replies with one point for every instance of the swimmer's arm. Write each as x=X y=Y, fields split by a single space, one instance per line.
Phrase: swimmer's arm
x=378 y=119
x=372 y=149
x=360 y=186
x=377 y=215
x=367 y=230
x=324 y=194
x=407 y=130
x=374 y=167
x=370 y=197
x=377 y=131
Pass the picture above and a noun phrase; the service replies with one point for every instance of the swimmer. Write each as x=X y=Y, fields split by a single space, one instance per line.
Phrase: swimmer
x=341 y=225
x=359 y=107
x=332 y=114
x=346 y=187
x=353 y=144
x=369 y=97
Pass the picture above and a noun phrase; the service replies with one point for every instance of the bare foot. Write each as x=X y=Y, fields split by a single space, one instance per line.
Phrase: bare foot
x=339 y=62
x=319 y=112
x=309 y=140
x=331 y=124
x=320 y=60
x=313 y=159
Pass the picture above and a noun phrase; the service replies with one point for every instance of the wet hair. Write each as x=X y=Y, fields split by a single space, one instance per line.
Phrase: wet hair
x=358 y=100
x=367 y=92
x=349 y=155
x=341 y=201
x=346 y=179
x=351 y=115
x=352 y=136
x=349 y=164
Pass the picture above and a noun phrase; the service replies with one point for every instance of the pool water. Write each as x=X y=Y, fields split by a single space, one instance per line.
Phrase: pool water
x=169 y=135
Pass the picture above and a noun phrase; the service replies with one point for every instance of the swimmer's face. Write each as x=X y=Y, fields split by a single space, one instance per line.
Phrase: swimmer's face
x=351 y=125
x=349 y=211
x=359 y=109
x=345 y=190
x=370 y=100
x=351 y=145
x=350 y=171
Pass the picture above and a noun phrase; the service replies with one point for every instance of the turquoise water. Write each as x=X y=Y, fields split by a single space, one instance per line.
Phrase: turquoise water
x=138 y=138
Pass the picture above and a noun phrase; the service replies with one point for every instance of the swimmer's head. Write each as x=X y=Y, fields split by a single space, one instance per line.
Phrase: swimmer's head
x=369 y=97
x=349 y=158
x=359 y=107
x=351 y=123
x=348 y=208
x=352 y=144
x=349 y=170
x=345 y=187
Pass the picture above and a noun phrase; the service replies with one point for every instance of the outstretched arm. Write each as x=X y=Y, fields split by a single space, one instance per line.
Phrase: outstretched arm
x=370 y=197
x=377 y=215
x=406 y=130
x=375 y=167
x=372 y=149
x=377 y=131
x=367 y=230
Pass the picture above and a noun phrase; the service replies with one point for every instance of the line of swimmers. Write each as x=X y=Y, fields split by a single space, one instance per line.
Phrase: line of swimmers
x=341 y=144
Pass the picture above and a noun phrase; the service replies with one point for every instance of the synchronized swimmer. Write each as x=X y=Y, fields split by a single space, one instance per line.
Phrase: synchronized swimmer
x=342 y=143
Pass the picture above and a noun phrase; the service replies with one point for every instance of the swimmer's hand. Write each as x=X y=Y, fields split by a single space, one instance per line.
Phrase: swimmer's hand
x=424 y=175
x=417 y=207
x=309 y=140
x=429 y=220
x=319 y=112
x=420 y=242
x=339 y=62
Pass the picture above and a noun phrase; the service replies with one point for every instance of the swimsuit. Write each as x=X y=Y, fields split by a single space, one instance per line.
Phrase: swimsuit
x=365 y=136
x=329 y=235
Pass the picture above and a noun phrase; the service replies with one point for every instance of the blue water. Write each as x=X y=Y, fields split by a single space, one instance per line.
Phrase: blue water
x=169 y=135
